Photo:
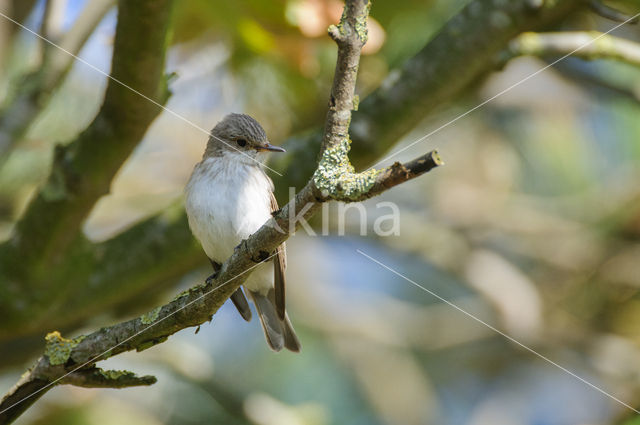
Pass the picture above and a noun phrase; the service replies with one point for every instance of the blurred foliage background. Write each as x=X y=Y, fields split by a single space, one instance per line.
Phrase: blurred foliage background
x=533 y=226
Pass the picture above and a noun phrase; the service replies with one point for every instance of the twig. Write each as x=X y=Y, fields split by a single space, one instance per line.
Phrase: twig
x=400 y=173
x=350 y=35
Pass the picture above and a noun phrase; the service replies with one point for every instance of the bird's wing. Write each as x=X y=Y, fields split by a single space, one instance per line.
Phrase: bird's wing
x=279 y=266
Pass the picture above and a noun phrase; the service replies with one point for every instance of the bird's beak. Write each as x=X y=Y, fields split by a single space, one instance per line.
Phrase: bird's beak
x=270 y=147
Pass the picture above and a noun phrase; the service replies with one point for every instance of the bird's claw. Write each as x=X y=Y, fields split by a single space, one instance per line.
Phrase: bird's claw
x=211 y=278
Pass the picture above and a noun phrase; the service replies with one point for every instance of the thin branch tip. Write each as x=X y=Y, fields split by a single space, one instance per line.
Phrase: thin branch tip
x=436 y=158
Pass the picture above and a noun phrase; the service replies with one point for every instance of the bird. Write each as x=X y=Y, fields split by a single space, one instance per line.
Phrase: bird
x=229 y=197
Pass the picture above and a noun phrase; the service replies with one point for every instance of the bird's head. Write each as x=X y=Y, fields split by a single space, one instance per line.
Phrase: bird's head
x=241 y=137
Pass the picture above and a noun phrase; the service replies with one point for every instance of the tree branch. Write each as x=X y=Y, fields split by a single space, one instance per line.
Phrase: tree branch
x=65 y=357
x=350 y=35
x=589 y=45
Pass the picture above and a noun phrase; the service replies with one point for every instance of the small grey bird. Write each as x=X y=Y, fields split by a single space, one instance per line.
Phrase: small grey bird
x=228 y=198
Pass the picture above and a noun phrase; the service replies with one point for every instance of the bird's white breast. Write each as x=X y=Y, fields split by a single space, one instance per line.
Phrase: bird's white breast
x=226 y=201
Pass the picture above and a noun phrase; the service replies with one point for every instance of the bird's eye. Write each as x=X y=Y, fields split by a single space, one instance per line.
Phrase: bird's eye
x=241 y=142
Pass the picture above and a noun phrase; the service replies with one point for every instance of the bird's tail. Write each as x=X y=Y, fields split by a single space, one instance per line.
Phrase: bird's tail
x=279 y=333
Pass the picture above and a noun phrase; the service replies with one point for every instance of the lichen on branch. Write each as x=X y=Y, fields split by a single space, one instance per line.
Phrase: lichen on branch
x=150 y=316
x=351 y=19
x=336 y=178
x=98 y=378
x=58 y=349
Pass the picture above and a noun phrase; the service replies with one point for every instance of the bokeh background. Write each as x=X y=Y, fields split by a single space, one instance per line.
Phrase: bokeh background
x=533 y=226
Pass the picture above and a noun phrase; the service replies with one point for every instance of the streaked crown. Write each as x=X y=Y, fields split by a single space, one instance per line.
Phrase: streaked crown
x=236 y=132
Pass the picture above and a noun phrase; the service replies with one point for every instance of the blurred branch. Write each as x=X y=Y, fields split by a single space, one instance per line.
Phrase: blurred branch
x=20 y=9
x=73 y=41
x=589 y=45
x=82 y=170
x=33 y=91
x=610 y=13
x=47 y=246
x=600 y=84
x=44 y=31
x=197 y=305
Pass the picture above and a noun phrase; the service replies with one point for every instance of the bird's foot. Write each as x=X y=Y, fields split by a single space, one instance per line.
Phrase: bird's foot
x=211 y=278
